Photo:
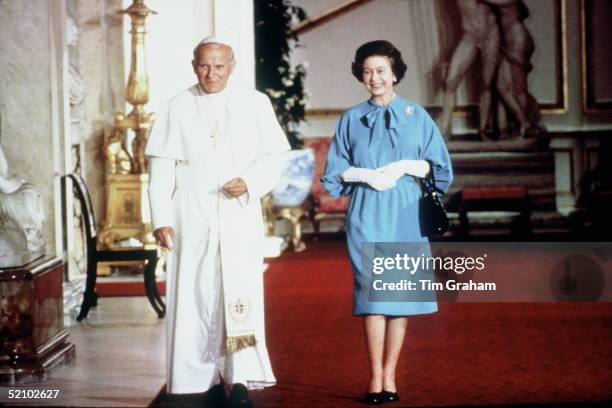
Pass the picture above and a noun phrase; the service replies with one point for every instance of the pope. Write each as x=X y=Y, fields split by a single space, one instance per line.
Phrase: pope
x=215 y=149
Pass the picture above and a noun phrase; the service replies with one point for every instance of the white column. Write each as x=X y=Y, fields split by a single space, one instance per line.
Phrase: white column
x=60 y=123
x=234 y=20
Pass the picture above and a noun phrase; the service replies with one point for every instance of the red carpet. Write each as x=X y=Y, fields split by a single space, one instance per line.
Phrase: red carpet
x=125 y=288
x=466 y=354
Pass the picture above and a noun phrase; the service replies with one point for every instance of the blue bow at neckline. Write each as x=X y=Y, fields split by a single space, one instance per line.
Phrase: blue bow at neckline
x=392 y=115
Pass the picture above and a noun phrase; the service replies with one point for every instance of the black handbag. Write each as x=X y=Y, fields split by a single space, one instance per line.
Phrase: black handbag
x=432 y=214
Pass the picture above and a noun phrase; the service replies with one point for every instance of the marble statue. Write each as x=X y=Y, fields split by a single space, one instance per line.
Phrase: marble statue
x=8 y=184
x=481 y=35
x=77 y=91
x=517 y=49
x=21 y=215
x=495 y=30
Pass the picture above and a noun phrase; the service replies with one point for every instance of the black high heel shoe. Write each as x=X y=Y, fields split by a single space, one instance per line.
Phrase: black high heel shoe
x=374 y=398
x=388 y=396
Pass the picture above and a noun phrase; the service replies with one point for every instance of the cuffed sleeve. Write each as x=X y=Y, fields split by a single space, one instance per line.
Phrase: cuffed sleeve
x=436 y=153
x=161 y=189
x=338 y=161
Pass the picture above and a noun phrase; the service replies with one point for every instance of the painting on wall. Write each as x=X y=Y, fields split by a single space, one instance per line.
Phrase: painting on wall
x=595 y=17
x=426 y=32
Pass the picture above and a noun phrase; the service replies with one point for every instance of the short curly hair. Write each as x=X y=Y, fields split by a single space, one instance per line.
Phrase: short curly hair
x=382 y=48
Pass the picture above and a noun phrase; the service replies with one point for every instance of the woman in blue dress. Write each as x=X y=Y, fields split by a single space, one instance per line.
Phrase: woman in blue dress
x=380 y=149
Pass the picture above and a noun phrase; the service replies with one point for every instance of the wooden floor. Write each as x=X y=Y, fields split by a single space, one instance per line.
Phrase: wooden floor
x=119 y=359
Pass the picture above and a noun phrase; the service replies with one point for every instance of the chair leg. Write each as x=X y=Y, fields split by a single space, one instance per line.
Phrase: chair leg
x=90 y=298
x=156 y=294
x=316 y=225
x=158 y=298
x=151 y=287
x=464 y=223
x=524 y=225
x=298 y=243
x=85 y=306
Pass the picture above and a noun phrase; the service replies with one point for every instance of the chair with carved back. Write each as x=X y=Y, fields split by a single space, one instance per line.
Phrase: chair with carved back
x=94 y=256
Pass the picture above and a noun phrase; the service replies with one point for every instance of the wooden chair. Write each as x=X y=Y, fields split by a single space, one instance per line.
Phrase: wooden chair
x=94 y=256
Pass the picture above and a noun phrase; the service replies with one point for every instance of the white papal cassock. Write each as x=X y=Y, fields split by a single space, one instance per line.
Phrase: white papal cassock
x=199 y=142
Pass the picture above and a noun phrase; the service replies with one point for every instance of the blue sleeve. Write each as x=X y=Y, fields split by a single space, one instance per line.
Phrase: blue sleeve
x=338 y=161
x=436 y=153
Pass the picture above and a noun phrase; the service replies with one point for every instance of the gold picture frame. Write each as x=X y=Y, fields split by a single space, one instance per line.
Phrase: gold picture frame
x=591 y=58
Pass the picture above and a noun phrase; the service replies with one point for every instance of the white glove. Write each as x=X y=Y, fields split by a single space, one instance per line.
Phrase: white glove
x=395 y=170
x=374 y=178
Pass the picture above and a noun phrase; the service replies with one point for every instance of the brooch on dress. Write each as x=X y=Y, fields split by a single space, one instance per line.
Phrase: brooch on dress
x=409 y=110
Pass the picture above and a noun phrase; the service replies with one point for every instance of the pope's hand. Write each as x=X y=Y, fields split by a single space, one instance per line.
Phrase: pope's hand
x=165 y=236
x=235 y=188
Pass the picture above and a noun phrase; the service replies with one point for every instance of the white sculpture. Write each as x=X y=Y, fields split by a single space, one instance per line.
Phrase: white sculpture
x=21 y=215
x=8 y=184
x=495 y=29
x=76 y=85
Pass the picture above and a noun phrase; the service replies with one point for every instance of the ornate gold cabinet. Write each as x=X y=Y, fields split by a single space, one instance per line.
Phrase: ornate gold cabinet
x=127 y=210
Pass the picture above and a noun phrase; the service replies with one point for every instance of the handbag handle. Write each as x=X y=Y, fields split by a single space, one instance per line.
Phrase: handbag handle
x=428 y=183
x=434 y=220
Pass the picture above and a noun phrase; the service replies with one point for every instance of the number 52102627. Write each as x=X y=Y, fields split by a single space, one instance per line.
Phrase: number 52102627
x=32 y=394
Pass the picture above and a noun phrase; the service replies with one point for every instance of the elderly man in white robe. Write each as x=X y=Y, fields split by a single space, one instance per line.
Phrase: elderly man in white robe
x=215 y=149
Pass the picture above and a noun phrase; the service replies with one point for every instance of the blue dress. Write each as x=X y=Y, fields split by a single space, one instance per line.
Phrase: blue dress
x=372 y=136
